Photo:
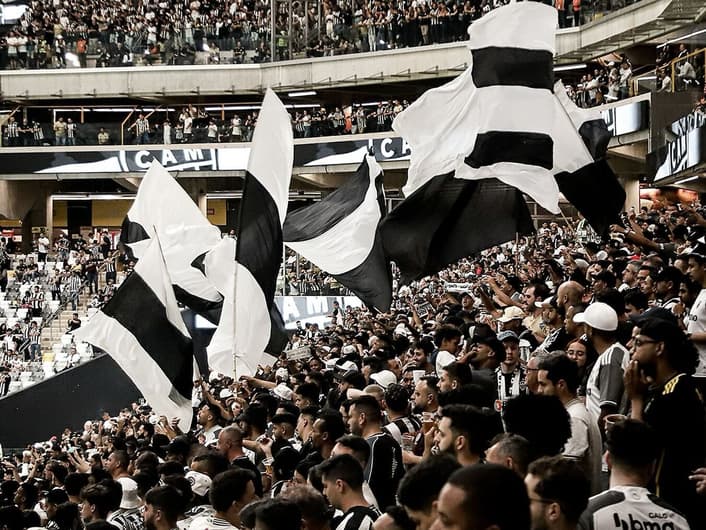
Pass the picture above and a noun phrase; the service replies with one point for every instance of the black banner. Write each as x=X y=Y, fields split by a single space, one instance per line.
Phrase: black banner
x=230 y=157
x=685 y=152
x=65 y=400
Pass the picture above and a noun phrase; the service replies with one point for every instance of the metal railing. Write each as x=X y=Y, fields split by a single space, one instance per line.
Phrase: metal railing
x=675 y=64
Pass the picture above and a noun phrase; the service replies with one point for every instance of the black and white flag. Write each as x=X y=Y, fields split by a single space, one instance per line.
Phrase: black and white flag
x=339 y=235
x=142 y=330
x=258 y=253
x=162 y=208
x=500 y=121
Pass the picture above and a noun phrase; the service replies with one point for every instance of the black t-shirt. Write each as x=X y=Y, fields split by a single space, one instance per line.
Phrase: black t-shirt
x=676 y=411
x=244 y=462
x=384 y=469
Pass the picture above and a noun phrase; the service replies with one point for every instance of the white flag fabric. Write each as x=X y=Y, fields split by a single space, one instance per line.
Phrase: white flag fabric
x=258 y=253
x=339 y=234
x=500 y=118
x=142 y=330
x=163 y=208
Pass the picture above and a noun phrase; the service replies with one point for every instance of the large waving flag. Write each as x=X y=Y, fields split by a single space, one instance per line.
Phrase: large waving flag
x=142 y=330
x=340 y=235
x=499 y=120
x=258 y=253
x=162 y=208
x=593 y=189
x=219 y=267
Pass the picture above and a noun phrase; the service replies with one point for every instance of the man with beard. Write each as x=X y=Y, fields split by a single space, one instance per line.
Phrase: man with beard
x=384 y=468
x=463 y=433
x=558 y=492
x=163 y=506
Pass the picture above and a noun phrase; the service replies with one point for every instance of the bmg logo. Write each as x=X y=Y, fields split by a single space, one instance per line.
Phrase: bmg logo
x=637 y=524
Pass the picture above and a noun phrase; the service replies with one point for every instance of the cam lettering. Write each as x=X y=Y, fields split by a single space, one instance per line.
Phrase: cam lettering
x=637 y=524
x=192 y=155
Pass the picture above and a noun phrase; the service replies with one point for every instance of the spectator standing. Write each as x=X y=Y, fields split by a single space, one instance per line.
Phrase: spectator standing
x=103 y=137
x=142 y=129
x=60 y=131
x=71 y=130
x=82 y=51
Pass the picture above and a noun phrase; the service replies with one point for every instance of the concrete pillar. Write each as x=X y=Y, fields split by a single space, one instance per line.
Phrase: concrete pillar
x=49 y=217
x=196 y=188
x=632 y=193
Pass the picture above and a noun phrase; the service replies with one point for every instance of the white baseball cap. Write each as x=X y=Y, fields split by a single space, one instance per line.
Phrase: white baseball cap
x=384 y=378
x=600 y=316
x=200 y=482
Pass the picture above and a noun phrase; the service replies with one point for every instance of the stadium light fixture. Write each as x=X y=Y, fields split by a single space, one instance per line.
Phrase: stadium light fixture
x=301 y=94
x=566 y=67
x=682 y=38
x=684 y=181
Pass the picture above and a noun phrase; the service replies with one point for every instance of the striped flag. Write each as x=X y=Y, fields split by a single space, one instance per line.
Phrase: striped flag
x=142 y=330
x=499 y=121
x=219 y=267
x=258 y=253
x=163 y=208
x=340 y=236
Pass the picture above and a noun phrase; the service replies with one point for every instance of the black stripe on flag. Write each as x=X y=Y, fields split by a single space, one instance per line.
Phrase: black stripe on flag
x=595 y=192
x=260 y=236
x=447 y=219
x=131 y=232
x=166 y=345
x=492 y=147
x=371 y=281
x=278 y=334
x=595 y=136
x=314 y=220
x=502 y=66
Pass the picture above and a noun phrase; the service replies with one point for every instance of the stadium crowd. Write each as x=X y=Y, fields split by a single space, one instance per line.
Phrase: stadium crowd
x=35 y=289
x=50 y=34
x=193 y=124
x=554 y=382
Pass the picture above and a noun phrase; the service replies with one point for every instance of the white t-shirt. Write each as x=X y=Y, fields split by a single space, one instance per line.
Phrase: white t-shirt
x=443 y=359
x=697 y=324
x=605 y=382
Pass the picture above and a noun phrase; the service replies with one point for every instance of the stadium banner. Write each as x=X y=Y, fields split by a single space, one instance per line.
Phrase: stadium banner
x=684 y=153
x=312 y=309
x=88 y=160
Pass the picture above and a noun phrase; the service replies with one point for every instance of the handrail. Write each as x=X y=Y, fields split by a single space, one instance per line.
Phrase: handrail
x=674 y=62
x=122 y=126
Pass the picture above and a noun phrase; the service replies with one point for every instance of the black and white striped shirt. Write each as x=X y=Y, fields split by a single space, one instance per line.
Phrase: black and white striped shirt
x=359 y=518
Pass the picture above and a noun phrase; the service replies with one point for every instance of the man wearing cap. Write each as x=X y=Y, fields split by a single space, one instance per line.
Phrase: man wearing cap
x=604 y=389
x=696 y=326
x=127 y=516
x=510 y=375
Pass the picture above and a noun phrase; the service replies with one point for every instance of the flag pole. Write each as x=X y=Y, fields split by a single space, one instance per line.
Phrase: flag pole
x=517 y=253
x=235 y=281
